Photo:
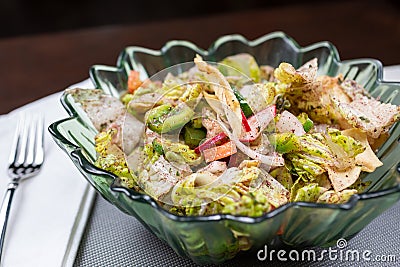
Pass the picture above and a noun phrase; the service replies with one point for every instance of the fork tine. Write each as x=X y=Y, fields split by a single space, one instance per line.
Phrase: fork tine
x=14 y=146
x=17 y=156
x=22 y=141
x=30 y=151
x=39 y=145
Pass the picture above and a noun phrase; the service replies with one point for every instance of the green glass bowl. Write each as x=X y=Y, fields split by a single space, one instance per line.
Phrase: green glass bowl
x=217 y=238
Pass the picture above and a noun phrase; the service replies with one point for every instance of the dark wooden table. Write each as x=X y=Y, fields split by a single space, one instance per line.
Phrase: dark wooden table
x=35 y=66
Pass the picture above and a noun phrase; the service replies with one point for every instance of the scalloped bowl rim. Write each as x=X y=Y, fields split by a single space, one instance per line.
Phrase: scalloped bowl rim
x=77 y=154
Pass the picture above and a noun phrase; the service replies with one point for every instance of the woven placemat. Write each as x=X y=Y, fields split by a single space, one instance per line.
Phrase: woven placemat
x=113 y=238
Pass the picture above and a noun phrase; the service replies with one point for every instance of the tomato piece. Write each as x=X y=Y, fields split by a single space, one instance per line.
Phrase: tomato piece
x=245 y=123
x=219 y=152
x=134 y=81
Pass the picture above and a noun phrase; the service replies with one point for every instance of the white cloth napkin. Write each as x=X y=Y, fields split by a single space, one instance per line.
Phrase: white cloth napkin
x=49 y=211
x=391 y=73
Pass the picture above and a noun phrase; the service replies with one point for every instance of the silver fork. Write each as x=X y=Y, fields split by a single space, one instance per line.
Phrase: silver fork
x=26 y=159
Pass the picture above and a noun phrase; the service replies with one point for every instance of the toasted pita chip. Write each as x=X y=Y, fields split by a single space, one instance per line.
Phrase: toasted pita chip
x=343 y=179
x=369 y=114
x=367 y=159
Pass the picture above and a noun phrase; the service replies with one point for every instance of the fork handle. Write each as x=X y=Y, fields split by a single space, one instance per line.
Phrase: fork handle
x=5 y=211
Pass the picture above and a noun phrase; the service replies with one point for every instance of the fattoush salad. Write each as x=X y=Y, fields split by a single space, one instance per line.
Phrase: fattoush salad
x=236 y=137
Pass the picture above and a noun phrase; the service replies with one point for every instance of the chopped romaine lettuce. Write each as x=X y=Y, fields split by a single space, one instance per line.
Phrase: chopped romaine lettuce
x=112 y=159
x=261 y=137
x=241 y=64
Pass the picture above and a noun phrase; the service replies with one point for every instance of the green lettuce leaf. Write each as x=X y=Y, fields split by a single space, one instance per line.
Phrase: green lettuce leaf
x=333 y=197
x=309 y=193
x=111 y=158
x=247 y=192
x=242 y=63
